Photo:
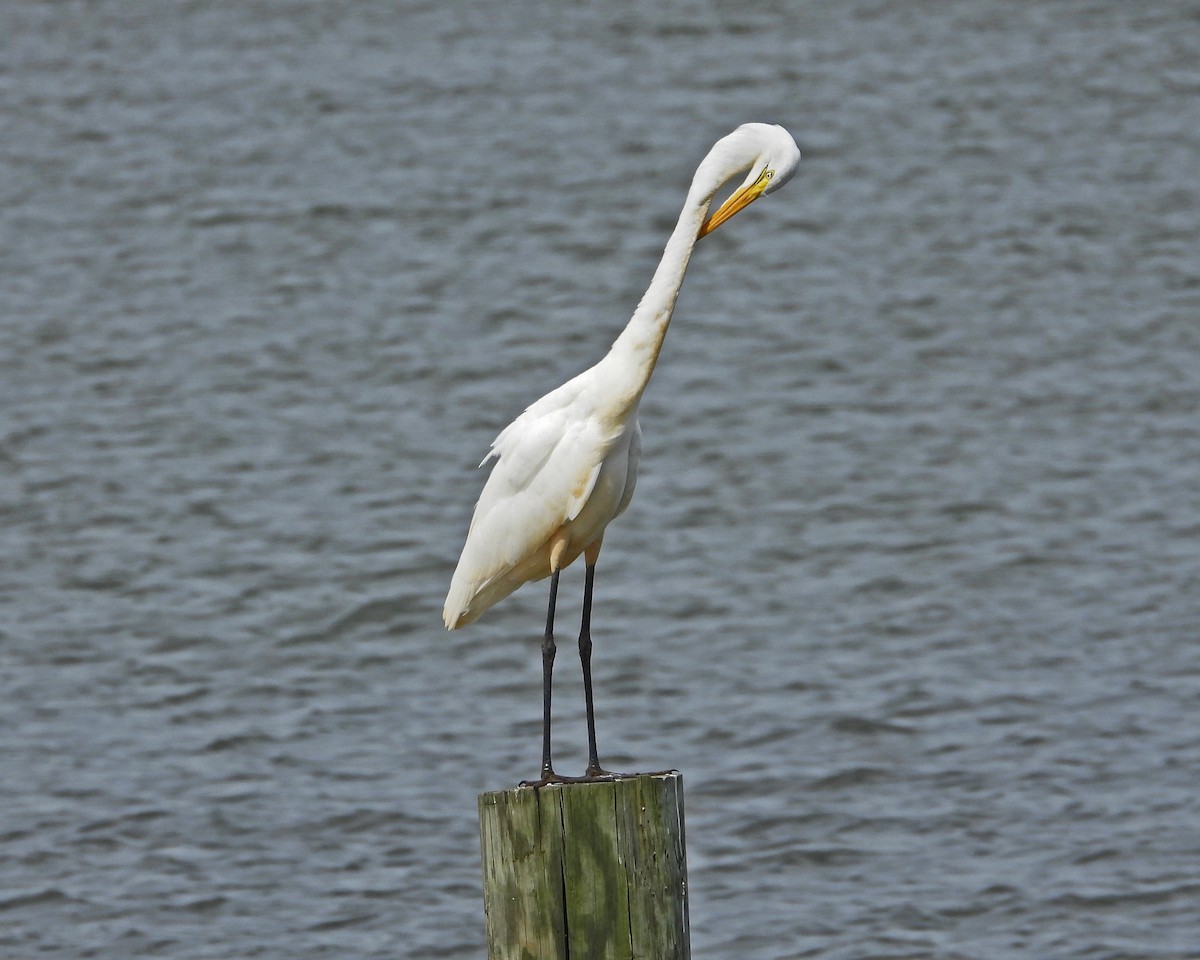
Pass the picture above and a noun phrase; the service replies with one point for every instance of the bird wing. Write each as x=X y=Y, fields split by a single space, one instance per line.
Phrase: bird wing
x=555 y=450
x=547 y=464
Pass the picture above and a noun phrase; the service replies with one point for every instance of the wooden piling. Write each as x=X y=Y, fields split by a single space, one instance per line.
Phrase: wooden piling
x=586 y=871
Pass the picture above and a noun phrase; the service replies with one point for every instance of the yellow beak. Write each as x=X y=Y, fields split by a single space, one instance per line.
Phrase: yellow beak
x=738 y=200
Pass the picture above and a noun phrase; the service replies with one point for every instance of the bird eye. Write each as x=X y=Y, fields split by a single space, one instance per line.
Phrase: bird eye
x=770 y=174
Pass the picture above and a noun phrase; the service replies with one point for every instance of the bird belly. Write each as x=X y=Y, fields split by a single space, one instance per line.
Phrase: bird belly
x=602 y=507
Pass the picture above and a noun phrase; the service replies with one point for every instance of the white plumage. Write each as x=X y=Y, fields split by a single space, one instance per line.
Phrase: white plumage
x=566 y=467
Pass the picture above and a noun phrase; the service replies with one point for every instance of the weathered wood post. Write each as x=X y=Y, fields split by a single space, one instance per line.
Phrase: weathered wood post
x=587 y=871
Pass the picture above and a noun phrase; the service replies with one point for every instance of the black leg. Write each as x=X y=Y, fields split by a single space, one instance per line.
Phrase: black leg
x=585 y=660
x=547 y=675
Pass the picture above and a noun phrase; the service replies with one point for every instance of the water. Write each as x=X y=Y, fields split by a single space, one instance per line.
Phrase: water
x=910 y=587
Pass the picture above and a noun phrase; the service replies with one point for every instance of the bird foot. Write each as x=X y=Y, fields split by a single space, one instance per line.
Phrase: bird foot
x=597 y=772
x=591 y=775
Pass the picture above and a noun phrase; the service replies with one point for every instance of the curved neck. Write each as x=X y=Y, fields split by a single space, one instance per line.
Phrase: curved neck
x=635 y=352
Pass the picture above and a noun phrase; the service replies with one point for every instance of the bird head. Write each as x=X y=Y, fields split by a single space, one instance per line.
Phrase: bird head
x=765 y=152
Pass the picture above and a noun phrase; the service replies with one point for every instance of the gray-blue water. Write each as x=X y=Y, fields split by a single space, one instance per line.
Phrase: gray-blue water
x=910 y=590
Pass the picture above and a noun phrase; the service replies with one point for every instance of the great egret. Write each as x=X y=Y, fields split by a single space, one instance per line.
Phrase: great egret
x=566 y=467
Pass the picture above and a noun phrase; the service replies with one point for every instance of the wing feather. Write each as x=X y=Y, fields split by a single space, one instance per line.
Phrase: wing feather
x=547 y=462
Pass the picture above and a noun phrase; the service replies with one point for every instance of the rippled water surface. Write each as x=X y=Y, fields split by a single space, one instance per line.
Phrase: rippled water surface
x=911 y=585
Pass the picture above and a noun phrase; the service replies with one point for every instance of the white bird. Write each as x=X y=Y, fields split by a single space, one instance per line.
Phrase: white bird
x=566 y=467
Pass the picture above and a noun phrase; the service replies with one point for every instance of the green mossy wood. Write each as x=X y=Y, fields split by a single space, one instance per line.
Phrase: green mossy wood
x=586 y=871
